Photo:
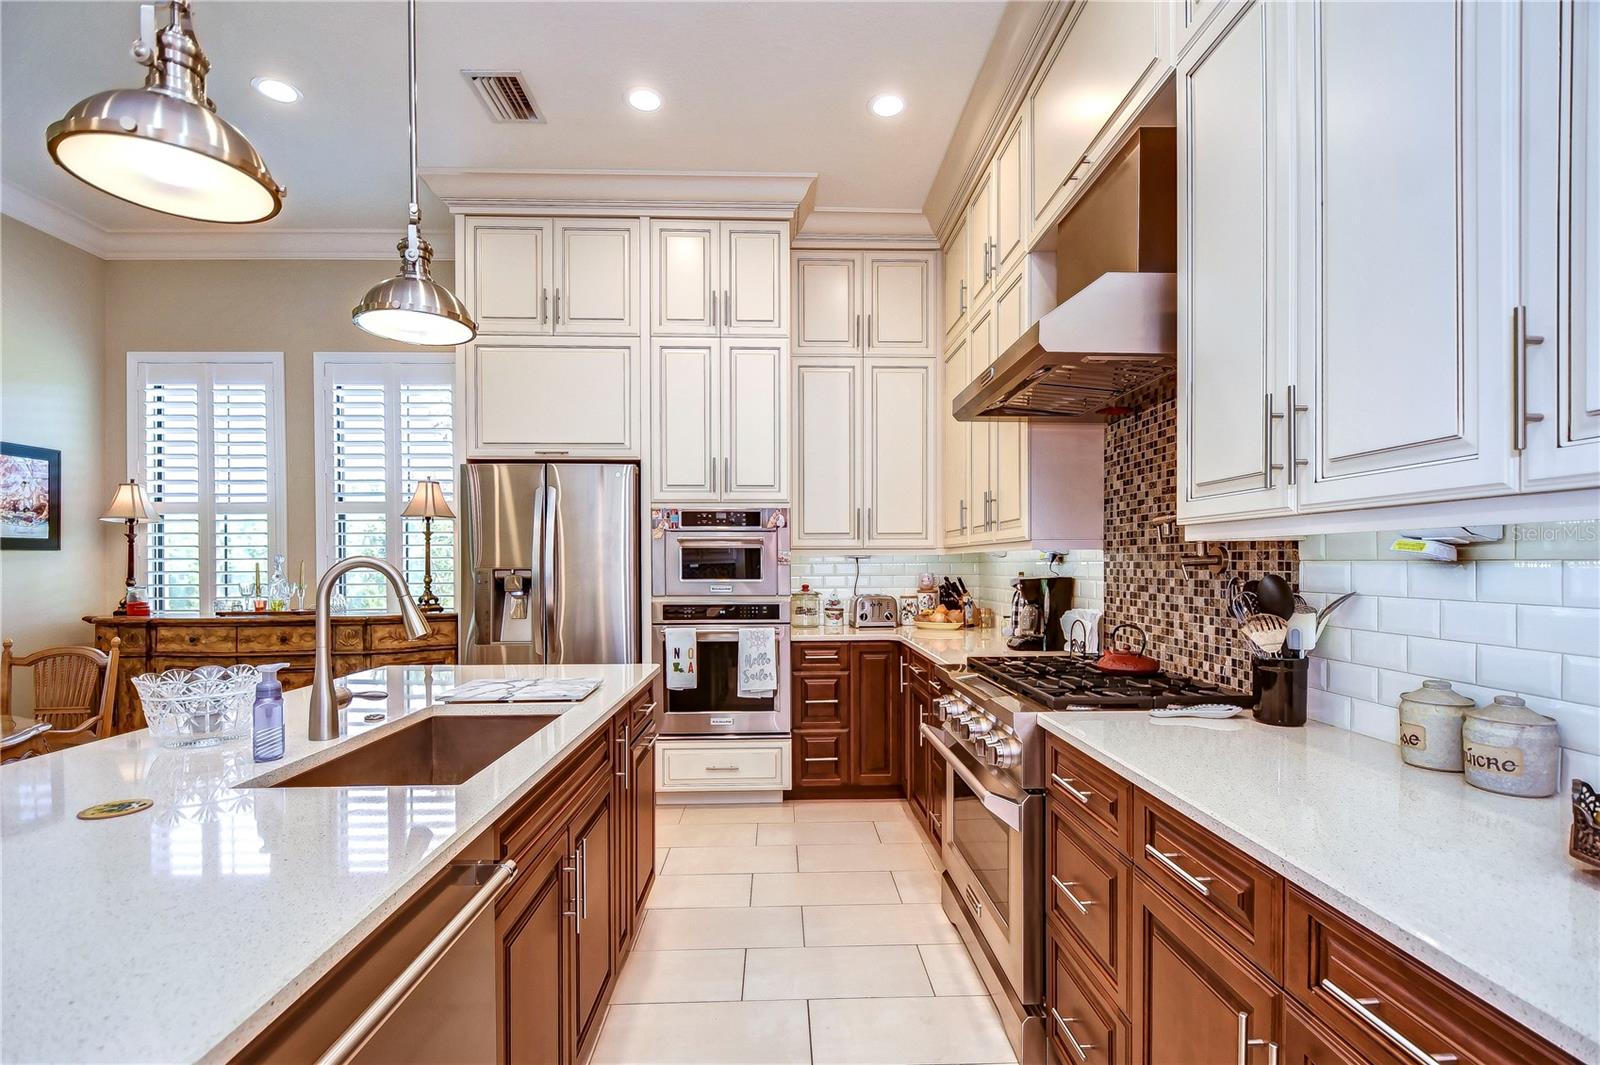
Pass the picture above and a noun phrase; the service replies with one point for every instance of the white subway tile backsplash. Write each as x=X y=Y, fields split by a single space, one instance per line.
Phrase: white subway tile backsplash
x=1478 y=622
x=1515 y=670
x=1328 y=708
x=1378 y=578
x=1375 y=719
x=1356 y=681
x=1361 y=612
x=1334 y=644
x=1413 y=617
x=1393 y=684
x=1574 y=631
x=1579 y=725
x=1325 y=576
x=1535 y=583
x=1577 y=765
x=1557 y=540
x=1580 y=584
x=1351 y=546
x=1382 y=649
x=1580 y=680
x=1313 y=549
x=1442 y=659
x=1441 y=580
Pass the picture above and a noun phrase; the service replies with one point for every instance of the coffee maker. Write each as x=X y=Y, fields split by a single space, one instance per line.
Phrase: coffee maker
x=1037 y=604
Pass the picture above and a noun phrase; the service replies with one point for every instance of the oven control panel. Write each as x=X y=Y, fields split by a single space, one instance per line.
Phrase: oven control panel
x=989 y=739
x=721 y=612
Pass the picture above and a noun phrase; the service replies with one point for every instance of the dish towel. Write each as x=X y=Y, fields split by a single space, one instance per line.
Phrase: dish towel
x=681 y=665
x=758 y=662
x=1091 y=621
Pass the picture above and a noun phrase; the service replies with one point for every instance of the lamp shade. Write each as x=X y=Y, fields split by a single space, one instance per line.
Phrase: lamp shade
x=428 y=502
x=412 y=308
x=129 y=504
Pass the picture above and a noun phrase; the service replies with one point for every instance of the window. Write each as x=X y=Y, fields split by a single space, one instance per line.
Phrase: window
x=205 y=437
x=384 y=422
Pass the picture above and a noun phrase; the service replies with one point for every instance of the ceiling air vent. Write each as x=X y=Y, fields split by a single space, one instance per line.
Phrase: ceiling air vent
x=505 y=95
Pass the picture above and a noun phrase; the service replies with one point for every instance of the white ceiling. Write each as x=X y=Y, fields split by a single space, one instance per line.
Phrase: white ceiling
x=749 y=87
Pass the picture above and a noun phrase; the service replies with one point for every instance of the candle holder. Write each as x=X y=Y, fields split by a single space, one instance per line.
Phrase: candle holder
x=427 y=503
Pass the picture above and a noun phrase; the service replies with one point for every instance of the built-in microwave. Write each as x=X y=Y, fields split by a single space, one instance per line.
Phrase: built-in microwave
x=719 y=554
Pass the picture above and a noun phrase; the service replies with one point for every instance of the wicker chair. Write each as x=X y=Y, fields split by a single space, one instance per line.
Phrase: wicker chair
x=74 y=690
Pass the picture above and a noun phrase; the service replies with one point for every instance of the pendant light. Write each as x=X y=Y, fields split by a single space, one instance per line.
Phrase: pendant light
x=411 y=307
x=162 y=145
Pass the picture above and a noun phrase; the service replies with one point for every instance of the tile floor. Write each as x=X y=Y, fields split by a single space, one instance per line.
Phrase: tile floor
x=806 y=932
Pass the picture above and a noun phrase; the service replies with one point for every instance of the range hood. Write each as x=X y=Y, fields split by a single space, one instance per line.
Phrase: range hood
x=1116 y=328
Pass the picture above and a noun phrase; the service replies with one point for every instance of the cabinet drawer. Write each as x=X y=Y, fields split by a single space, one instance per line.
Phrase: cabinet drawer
x=1096 y=796
x=1388 y=1006
x=437 y=656
x=1235 y=896
x=391 y=636
x=723 y=765
x=190 y=639
x=1085 y=1028
x=266 y=639
x=820 y=701
x=1089 y=894
x=821 y=759
x=133 y=637
x=808 y=655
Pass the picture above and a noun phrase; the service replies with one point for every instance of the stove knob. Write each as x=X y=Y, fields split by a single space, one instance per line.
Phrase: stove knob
x=1005 y=753
x=981 y=724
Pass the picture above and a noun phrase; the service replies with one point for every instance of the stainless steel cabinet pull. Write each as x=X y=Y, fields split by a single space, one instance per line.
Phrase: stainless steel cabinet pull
x=558 y=306
x=1066 y=782
x=1080 y=1049
x=583 y=882
x=714 y=317
x=1245 y=1042
x=713 y=475
x=647 y=708
x=855 y=336
x=1065 y=887
x=835 y=758
x=867 y=339
x=822 y=702
x=1520 y=339
x=977 y=907
x=819 y=656
x=1269 y=416
x=544 y=305
x=856 y=530
x=867 y=528
x=1359 y=1006
x=727 y=474
x=722 y=768
x=355 y=1037
x=622 y=741
x=1295 y=410
x=1164 y=859
x=963 y=297
x=963 y=515
x=573 y=869
x=727 y=308
x=902 y=674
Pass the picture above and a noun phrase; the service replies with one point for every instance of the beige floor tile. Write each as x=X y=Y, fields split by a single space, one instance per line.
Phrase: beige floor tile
x=668 y=815
x=951 y=970
x=839 y=926
x=850 y=810
x=917 y=885
x=661 y=858
x=823 y=889
x=681 y=976
x=740 y=926
x=842 y=857
x=928 y=1031
x=737 y=815
x=897 y=832
x=706 y=835
x=834 y=972
x=699 y=892
x=818 y=832
x=684 y=860
x=705 y=1033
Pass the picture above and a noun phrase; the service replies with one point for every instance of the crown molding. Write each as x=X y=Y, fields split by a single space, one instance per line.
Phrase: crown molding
x=231 y=242
x=865 y=227
x=660 y=193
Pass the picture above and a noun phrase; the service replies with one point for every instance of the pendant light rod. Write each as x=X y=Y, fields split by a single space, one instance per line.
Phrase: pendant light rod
x=411 y=74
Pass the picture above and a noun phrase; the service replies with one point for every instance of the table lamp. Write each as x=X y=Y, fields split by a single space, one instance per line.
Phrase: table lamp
x=128 y=505
x=427 y=503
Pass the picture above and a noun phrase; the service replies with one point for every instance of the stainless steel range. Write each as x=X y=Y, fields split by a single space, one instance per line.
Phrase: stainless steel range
x=994 y=849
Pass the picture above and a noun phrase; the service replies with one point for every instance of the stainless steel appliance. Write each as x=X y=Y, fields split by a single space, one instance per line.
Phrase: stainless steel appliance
x=874 y=612
x=720 y=553
x=1037 y=604
x=713 y=707
x=552 y=554
x=987 y=730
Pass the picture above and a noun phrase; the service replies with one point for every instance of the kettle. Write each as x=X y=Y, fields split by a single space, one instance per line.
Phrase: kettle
x=1119 y=658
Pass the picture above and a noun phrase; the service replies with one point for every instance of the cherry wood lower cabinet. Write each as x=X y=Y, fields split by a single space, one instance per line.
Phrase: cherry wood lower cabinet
x=875 y=730
x=847 y=720
x=924 y=766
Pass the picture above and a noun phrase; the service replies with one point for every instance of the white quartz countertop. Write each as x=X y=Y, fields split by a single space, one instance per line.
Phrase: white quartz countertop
x=179 y=933
x=950 y=648
x=1476 y=885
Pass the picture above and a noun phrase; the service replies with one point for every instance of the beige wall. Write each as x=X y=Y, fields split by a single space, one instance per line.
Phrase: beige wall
x=296 y=307
x=52 y=393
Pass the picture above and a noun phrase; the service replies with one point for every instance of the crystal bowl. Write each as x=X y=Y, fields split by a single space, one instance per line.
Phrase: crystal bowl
x=198 y=707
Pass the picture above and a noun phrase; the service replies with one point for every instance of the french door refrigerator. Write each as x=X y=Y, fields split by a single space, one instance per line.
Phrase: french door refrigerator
x=552 y=554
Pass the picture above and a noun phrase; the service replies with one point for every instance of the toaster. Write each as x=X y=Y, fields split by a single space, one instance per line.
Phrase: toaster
x=874 y=612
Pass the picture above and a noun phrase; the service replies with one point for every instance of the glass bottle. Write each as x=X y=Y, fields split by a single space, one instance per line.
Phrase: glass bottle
x=806 y=612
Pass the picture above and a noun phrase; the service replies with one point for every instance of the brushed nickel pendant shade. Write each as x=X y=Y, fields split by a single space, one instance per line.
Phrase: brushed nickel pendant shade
x=411 y=307
x=163 y=146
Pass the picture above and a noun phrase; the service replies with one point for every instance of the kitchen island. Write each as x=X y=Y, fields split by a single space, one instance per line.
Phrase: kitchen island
x=180 y=933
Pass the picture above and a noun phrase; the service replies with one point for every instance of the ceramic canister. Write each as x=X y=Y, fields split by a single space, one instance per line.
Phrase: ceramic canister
x=1430 y=726
x=1510 y=749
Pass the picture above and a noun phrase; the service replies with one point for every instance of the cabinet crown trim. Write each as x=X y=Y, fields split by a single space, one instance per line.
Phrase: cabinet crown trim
x=679 y=194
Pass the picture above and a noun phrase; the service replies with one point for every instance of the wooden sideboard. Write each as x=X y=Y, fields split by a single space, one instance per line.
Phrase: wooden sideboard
x=360 y=641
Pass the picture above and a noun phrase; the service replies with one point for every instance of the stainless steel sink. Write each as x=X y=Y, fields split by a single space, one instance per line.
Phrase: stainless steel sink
x=435 y=750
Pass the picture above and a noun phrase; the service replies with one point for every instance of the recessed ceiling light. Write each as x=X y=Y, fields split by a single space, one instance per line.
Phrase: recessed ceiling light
x=275 y=89
x=644 y=99
x=887 y=105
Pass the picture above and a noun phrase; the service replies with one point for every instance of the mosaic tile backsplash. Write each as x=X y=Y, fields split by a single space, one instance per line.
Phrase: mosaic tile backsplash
x=987 y=574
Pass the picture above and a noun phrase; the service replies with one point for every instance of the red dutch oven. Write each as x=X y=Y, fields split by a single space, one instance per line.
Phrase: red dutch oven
x=1120 y=657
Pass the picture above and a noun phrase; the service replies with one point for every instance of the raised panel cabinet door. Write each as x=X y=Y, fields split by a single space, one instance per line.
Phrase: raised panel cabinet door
x=1406 y=298
x=532 y=926
x=827 y=425
x=821 y=760
x=553 y=397
x=597 y=277
x=1011 y=318
x=755 y=396
x=934 y=776
x=916 y=701
x=980 y=444
x=821 y=701
x=593 y=960
x=1305 y=1042
x=980 y=241
x=755 y=278
x=684 y=279
x=956 y=507
x=956 y=296
x=898 y=464
x=1010 y=203
x=1108 y=50
x=684 y=385
x=508 y=283
x=827 y=303
x=642 y=786
x=899 y=304
x=875 y=714
x=1560 y=246
x=1233 y=366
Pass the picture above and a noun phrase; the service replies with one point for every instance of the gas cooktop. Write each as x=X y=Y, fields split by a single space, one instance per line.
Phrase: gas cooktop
x=1058 y=682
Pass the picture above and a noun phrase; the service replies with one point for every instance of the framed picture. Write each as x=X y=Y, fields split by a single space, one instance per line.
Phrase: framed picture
x=30 y=498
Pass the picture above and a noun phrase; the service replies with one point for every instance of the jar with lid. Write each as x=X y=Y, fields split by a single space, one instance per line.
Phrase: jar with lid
x=1511 y=749
x=833 y=610
x=806 y=608
x=1430 y=726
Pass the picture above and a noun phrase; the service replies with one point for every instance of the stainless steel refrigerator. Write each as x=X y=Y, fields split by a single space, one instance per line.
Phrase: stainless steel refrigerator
x=551 y=552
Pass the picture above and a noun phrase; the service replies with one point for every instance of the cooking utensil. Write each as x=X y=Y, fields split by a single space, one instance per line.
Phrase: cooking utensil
x=1326 y=611
x=1275 y=596
x=1304 y=622
x=1266 y=631
x=1118 y=658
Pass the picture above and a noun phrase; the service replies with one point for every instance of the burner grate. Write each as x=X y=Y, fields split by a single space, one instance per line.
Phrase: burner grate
x=1061 y=681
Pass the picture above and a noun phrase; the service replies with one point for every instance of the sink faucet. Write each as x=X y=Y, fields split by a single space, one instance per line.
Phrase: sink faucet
x=326 y=721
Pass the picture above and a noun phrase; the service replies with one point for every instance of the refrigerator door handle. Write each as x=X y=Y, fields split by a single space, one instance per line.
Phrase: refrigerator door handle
x=540 y=640
x=550 y=582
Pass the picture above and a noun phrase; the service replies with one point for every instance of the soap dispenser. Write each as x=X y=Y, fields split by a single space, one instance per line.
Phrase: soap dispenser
x=268 y=715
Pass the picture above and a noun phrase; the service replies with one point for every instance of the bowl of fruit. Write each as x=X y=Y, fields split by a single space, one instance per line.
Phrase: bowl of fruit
x=941 y=618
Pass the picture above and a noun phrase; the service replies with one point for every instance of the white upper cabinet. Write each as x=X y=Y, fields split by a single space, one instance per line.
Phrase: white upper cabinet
x=827 y=508
x=507 y=286
x=755 y=420
x=1010 y=193
x=711 y=278
x=720 y=420
x=1111 y=58
x=1233 y=365
x=871 y=303
x=755 y=278
x=1011 y=318
x=955 y=282
x=684 y=280
x=897 y=460
x=956 y=505
x=684 y=396
x=597 y=277
x=1407 y=140
x=552 y=396
x=980 y=241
